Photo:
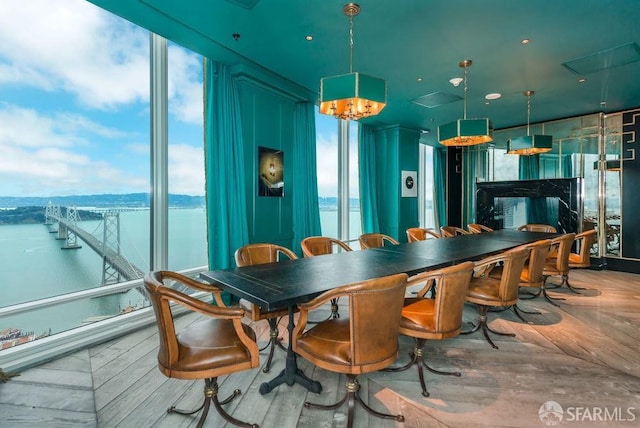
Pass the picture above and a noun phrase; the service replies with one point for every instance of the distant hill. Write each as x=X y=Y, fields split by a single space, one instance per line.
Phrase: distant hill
x=133 y=200
x=129 y=200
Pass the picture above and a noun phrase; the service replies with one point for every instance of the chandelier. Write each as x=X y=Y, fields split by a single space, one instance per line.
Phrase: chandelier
x=531 y=144
x=354 y=95
x=465 y=132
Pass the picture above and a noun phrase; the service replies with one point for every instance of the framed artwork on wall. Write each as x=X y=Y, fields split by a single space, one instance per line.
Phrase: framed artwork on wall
x=270 y=172
x=409 y=184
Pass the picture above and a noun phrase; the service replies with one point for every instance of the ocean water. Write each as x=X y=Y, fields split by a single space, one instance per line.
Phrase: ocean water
x=34 y=266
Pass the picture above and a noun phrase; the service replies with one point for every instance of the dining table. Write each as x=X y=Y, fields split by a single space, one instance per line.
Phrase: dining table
x=286 y=283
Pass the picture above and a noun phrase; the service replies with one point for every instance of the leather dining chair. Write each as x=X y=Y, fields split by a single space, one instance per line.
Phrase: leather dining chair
x=478 y=228
x=415 y=234
x=216 y=346
x=533 y=227
x=532 y=271
x=449 y=231
x=437 y=318
x=365 y=341
x=557 y=264
x=581 y=259
x=255 y=254
x=322 y=245
x=488 y=291
x=374 y=240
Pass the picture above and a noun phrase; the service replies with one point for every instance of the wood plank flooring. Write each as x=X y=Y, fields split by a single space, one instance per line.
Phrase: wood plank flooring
x=584 y=355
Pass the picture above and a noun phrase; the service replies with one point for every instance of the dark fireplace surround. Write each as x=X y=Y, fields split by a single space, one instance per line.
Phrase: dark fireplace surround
x=565 y=190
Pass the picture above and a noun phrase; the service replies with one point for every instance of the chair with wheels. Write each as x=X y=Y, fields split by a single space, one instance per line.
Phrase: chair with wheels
x=363 y=342
x=450 y=231
x=415 y=234
x=321 y=245
x=375 y=240
x=255 y=254
x=434 y=319
x=478 y=228
x=486 y=290
x=216 y=346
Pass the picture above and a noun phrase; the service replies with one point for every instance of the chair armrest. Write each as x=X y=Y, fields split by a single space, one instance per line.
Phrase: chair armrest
x=196 y=285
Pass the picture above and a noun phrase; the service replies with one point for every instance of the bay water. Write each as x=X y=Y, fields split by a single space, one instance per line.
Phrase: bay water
x=34 y=266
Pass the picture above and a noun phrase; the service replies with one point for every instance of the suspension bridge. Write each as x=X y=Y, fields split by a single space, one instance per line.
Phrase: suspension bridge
x=115 y=267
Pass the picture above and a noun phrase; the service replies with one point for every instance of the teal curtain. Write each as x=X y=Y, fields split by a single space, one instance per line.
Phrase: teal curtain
x=439 y=186
x=224 y=168
x=368 y=177
x=306 y=209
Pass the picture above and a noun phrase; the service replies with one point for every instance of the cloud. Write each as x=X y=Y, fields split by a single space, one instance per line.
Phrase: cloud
x=43 y=155
x=186 y=169
x=53 y=52
x=73 y=46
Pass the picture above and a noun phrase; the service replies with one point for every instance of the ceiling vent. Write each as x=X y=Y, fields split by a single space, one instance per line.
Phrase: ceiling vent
x=436 y=99
x=608 y=58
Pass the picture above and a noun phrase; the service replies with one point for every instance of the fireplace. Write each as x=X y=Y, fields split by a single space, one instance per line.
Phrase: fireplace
x=509 y=204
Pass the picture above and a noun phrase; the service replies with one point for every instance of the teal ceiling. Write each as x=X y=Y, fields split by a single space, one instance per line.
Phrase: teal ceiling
x=403 y=40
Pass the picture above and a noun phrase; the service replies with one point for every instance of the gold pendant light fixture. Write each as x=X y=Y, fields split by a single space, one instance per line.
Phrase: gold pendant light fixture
x=354 y=95
x=531 y=144
x=465 y=132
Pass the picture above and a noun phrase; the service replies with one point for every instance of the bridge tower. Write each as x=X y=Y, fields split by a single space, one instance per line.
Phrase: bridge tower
x=51 y=216
x=110 y=240
x=68 y=233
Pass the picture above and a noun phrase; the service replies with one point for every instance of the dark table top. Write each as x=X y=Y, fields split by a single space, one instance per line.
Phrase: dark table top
x=288 y=282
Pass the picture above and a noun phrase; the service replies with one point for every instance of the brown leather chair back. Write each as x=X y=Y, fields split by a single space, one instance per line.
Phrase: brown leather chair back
x=505 y=292
x=558 y=262
x=533 y=227
x=366 y=340
x=320 y=245
x=512 y=263
x=584 y=241
x=532 y=273
x=478 y=228
x=415 y=234
x=219 y=345
x=256 y=254
x=441 y=317
x=449 y=231
x=374 y=240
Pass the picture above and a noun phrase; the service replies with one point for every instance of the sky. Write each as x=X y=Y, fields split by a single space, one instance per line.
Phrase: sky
x=74 y=106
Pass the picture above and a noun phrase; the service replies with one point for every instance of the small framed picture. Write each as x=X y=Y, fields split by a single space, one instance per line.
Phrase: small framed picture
x=409 y=184
x=270 y=172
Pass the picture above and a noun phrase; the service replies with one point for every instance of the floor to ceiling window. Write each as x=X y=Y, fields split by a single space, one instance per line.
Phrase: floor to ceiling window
x=75 y=142
x=329 y=145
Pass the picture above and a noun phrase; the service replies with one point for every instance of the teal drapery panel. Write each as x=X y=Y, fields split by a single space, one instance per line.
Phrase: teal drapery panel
x=529 y=169
x=306 y=209
x=439 y=186
x=224 y=168
x=567 y=166
x=368 y=177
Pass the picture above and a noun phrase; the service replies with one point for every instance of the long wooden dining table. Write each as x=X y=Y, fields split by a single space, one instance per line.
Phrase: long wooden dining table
x=289 y=282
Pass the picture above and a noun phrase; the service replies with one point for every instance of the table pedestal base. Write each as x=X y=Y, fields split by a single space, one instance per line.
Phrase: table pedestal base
x=291 y=373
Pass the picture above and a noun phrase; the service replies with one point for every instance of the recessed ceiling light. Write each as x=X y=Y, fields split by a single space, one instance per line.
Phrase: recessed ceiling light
x=308 y=38
x=456 y=81
x=493 y=96
x=603 y=103
x=419 y=79
x=524 y=41
x=582 y=80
